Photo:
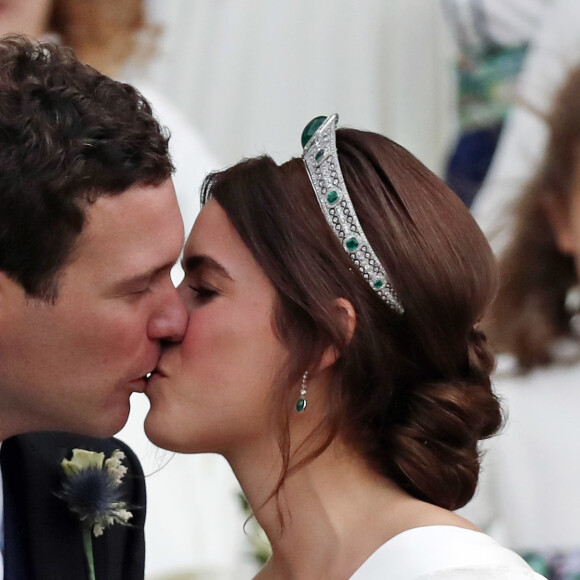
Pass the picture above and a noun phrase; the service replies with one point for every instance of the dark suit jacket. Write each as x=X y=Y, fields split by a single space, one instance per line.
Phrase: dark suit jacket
x=42 y=538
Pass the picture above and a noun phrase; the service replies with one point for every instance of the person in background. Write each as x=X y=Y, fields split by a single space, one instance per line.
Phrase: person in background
x=333 y=356
x=529 y=497
x=492 y=38
x=552 y=54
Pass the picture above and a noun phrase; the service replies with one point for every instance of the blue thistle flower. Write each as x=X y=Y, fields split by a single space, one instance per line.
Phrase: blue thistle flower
x=92 y=494
x=92 y=489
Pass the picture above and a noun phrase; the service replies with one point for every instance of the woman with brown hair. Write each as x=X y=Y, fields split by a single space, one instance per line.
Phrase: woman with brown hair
x=529 y=493
x=332 y=357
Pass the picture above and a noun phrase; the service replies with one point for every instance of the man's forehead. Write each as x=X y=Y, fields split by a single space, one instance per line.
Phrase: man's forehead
x=138 y=231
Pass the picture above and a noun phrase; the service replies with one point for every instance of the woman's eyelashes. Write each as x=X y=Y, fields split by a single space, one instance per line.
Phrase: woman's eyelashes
x=203 y=293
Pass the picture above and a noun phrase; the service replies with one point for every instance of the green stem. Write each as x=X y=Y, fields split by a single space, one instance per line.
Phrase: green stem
x=88 y=546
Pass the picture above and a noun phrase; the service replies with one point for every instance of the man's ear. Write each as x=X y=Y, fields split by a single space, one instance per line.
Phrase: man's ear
x=346 y=314
x=558 y=212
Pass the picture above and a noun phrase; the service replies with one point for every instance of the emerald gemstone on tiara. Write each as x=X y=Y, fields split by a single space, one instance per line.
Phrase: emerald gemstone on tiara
x=351 y=244
x=332 y=197
x=322 y=165
x=310 y=129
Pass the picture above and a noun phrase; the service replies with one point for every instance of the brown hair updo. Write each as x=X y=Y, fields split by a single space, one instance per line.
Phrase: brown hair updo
x=410 y=392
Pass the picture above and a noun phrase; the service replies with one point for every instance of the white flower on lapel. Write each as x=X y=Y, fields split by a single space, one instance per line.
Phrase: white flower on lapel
x=92 y=489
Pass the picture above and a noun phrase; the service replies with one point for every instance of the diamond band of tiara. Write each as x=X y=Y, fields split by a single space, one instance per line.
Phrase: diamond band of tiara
x=321 y=160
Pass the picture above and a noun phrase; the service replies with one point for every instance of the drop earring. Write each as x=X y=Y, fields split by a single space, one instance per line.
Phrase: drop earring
x=301 y=402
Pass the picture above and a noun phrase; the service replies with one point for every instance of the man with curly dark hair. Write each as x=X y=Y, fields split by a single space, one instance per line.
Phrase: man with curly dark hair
x=89 y=230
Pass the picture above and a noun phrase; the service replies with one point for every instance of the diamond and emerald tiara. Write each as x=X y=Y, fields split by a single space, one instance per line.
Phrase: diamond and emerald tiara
x=321 y=161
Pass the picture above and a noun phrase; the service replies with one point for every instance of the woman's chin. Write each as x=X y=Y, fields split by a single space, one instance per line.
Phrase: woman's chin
x=161 y=432
x=155 y=431
x=167 y=435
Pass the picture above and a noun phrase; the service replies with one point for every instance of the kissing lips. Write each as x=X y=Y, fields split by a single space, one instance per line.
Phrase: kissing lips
x=158 y=372
x=151 y=382
x=138 y=385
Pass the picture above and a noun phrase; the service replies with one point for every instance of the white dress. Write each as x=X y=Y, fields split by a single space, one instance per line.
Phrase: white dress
x=444 y=553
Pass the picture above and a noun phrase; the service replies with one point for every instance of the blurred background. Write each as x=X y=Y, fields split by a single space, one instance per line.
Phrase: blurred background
x=250 y=74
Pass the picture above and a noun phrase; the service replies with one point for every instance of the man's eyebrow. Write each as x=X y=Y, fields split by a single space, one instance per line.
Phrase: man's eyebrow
x=129 y=282
x=195 y=263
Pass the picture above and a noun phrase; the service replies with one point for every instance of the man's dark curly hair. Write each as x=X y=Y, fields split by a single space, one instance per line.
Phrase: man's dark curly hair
x=68 y=134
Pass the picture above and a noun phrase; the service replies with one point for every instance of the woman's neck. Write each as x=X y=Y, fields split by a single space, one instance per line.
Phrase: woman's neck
x=329 y=516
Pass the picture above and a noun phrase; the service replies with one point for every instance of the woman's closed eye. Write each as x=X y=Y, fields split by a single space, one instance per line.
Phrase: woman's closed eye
x=203 y=293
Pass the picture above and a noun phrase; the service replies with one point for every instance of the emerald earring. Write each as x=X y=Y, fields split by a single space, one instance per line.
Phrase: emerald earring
x=301 y=402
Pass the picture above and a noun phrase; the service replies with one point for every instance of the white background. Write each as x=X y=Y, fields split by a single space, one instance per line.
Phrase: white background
x=250 y=74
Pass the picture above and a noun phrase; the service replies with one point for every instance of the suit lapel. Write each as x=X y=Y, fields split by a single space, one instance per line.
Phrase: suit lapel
x=42 y=540
x=15 y=560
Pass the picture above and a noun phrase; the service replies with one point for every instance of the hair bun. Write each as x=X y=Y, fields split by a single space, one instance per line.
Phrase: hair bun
x=433 y=454
x=480 y=356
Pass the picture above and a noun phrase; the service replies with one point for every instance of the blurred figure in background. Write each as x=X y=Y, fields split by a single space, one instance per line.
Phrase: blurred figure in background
x=554 y=51
x=29 y=17
x=193 y=519
x=528 y=496
x=492 y=38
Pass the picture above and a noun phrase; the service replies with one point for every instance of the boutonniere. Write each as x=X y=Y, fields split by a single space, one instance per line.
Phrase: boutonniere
x=92 y=490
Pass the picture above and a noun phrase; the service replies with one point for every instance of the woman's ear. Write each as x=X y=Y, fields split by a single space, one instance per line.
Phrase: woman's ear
x=346 y=314
x=558 y=212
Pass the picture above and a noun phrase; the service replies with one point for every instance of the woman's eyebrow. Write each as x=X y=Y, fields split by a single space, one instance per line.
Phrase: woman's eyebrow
x=192 y=264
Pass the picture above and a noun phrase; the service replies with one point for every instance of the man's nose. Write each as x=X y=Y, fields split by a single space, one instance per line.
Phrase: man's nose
x=170 y=320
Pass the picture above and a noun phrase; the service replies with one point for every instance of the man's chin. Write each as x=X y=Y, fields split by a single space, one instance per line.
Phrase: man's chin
x=106 y=424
